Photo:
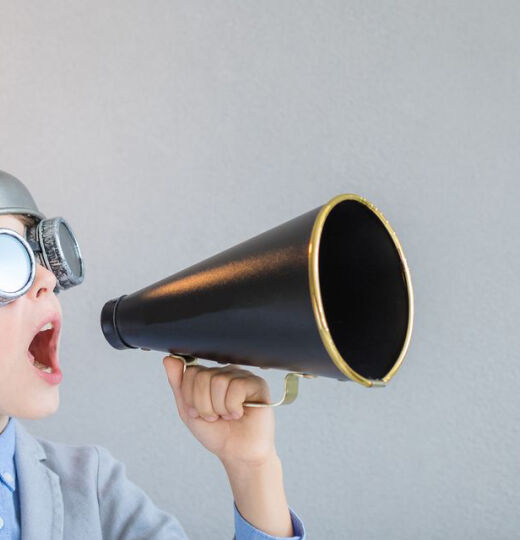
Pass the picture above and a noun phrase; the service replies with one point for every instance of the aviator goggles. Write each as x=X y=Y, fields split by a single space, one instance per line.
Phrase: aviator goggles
x=50 y=242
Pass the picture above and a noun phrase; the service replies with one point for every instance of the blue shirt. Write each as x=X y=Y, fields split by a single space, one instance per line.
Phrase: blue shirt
x=245 y=530
x=9 y=500
x=10 y=506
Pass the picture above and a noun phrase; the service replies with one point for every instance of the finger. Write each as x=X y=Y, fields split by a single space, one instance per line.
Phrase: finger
x=202 y=395
x=174 y=369
x=219 y=385
x=187 y=384
x=242 y=389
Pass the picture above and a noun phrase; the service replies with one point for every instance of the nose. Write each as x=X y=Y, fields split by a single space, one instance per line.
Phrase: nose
x=44 y=281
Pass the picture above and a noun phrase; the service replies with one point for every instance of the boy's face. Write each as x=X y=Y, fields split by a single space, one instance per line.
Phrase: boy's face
x=23 y=393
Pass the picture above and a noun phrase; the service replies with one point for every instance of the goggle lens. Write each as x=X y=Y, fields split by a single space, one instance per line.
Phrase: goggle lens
x=15 y=269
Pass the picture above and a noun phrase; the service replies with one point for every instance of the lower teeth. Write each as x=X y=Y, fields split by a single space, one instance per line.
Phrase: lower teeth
x=43 y=367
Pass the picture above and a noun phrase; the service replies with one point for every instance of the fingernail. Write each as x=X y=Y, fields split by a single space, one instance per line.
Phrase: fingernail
x=193 y=412
x=236 y=415
x=210 y=418
x=227 y=417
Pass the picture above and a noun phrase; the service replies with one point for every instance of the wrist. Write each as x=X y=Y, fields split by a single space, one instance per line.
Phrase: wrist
x=242 y=466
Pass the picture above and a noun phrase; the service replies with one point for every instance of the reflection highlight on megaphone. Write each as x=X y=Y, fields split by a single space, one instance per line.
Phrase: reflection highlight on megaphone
x=327 y=294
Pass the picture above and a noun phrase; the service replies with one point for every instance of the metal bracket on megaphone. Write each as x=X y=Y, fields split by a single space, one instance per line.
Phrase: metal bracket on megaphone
x=290 y=384
x=290 y=391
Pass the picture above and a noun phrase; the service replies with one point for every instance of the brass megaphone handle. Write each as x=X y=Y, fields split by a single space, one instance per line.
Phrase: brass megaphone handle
x=290 y=384
x=290 y=391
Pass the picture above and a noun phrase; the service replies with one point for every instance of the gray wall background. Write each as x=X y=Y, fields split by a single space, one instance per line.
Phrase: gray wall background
x=168 y=131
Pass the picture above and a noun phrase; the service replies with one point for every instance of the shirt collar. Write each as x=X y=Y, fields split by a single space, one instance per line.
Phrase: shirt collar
x=7 y=453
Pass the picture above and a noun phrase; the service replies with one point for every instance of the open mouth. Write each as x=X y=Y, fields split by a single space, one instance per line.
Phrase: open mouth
x=43 y=348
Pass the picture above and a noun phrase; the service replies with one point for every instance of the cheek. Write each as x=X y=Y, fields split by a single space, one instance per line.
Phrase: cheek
x=10 y=343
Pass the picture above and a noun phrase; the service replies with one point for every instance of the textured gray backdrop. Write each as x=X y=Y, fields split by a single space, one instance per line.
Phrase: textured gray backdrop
x=167 y=131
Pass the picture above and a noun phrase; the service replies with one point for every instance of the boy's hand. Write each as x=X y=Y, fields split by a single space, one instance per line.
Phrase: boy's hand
x=209 y=401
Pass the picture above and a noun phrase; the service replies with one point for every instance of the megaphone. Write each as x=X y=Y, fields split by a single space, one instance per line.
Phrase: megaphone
x=327 y=293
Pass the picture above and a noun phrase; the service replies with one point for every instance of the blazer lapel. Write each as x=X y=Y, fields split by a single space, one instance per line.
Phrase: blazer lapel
x=41 y=501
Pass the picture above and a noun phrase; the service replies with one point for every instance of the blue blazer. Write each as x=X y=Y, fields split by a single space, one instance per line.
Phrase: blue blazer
x=82 y=493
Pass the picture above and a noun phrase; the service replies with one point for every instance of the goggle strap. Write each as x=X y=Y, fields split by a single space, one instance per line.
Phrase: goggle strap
x=35 y=246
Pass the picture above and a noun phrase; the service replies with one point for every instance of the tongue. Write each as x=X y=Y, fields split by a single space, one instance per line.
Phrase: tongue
x=39 y=347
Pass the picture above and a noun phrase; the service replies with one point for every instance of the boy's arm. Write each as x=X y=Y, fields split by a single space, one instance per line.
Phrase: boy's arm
x=210 y=403
x=260 y=502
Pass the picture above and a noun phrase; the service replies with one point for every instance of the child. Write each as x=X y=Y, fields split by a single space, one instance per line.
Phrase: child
x=55 y=491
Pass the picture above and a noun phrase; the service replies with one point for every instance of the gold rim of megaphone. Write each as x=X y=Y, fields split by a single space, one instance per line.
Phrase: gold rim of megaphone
x=317 y=302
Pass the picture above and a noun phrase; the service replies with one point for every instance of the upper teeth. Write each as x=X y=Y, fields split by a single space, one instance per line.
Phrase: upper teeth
x=48 y=326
